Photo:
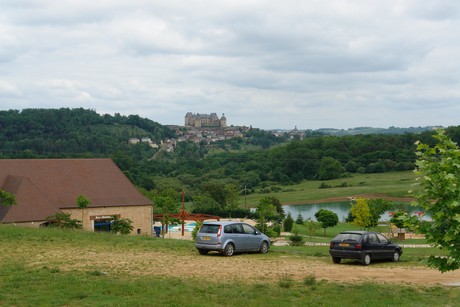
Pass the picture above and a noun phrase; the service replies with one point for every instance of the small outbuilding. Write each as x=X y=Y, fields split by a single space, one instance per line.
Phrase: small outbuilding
x=45 y=186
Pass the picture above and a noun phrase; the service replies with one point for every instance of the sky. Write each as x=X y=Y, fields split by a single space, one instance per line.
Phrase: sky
x=268 y=64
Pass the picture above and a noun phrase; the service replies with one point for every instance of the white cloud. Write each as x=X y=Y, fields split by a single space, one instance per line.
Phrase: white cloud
x=268 y=64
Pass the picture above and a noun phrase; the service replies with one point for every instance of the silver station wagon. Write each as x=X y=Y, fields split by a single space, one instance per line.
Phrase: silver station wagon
x=228 y=238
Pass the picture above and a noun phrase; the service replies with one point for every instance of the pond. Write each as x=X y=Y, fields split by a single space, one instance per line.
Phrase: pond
x=342 y=209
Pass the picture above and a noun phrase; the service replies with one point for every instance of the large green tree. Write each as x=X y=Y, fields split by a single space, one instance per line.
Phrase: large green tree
x=438 y=170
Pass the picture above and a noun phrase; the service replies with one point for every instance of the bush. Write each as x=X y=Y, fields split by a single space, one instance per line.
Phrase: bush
x=270 y=232
x=121 y=226
x=196 y=229
x=63 y=220
x=295 y=239
x=310 y=280
x=277 y=229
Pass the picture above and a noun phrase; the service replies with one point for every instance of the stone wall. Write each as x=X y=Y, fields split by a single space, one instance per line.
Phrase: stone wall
x=140 y=215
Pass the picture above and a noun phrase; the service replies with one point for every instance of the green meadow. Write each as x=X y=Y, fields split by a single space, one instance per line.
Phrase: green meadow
x=29 y=276
x=394 y=184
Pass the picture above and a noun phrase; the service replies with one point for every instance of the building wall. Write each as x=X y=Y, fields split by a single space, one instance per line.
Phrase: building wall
x=204 y=120
x=140 y=215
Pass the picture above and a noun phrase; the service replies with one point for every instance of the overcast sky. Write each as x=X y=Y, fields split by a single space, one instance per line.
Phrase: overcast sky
x=269 y=64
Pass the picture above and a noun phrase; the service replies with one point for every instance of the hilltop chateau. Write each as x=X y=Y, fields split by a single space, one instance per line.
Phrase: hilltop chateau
x=205 y=120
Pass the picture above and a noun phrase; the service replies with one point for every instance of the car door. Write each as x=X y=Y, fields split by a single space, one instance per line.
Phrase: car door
x=386 y=249
x=373 y=245
x=233 y=234
x=252 y=240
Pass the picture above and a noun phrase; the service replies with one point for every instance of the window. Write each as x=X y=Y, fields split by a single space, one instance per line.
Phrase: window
x=248 y=229
x=210 y=229
x=373 y=238
x=348 y=237
x=237 y=228
x=382 y=239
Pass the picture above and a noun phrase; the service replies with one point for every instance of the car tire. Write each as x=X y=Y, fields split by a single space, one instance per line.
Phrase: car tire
x=396 y=256
x=228 y=250
x=263 y=247
x=336 y=259
x=367 y=259
x=203 y=252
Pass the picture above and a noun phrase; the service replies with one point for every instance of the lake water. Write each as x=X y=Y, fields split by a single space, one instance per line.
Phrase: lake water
x=342 y=209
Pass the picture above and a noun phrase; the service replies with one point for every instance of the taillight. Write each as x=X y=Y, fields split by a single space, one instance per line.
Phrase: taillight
x=358 y=246
x=331 y=245
x=219 y=232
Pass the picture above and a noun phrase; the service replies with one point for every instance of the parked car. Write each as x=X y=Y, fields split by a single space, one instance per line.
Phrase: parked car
x=228 y=238
x=365 y=246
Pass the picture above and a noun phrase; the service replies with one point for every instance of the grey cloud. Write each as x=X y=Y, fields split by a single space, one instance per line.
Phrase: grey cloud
x=264 y=63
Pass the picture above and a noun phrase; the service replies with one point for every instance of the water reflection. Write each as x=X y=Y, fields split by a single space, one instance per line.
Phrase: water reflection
x=342 y=209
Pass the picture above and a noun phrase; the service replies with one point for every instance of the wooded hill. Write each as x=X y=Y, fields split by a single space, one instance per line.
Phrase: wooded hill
x=64 y=133
x=57 y=133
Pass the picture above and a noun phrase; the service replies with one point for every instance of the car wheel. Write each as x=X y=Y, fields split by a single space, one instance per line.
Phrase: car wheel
x=263 y=247
x=203 y=252
x=228 y=250
x=367 y=259
x=395 y=256
x=336 y=259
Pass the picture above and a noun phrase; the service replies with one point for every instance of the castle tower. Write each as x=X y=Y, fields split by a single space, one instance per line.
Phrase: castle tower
x=223 y=121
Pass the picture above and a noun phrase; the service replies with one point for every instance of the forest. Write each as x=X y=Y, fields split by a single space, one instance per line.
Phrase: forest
x=212 y=176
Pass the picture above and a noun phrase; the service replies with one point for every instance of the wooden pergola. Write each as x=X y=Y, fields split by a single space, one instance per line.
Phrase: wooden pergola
x=185 y=216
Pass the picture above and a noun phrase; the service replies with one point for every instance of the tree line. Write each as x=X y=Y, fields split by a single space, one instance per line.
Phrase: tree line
x=57 y=133
x=202 y=173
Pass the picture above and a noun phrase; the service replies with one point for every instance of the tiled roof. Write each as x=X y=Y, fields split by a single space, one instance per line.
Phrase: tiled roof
x=42 y=187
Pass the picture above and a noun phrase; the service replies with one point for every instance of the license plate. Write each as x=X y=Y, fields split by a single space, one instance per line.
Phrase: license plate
x=206 y=238
x=344 y=244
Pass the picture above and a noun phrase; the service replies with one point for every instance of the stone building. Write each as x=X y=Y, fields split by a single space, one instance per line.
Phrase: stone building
x=44 y=187
x=205 y=120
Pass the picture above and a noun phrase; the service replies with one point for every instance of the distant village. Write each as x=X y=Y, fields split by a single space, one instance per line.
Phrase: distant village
x=209 y=128
x=198 y=128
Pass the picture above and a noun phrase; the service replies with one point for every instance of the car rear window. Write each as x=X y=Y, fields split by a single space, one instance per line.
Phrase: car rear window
x=348 y=237
x=209 y=228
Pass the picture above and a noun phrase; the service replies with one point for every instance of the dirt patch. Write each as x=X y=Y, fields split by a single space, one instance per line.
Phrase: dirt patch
x=250 y=268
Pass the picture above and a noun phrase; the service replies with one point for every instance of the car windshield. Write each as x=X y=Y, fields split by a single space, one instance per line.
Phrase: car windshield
x=348 y=237
x=206 y=228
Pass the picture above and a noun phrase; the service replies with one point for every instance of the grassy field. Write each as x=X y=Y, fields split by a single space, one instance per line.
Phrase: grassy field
x=29 y=278
x=396 y=184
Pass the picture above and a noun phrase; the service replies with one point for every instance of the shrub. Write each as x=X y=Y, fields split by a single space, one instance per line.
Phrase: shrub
x=196 y=229
x=122 y=226
x=310 y=280
x=299 y=219
x=63 y=220
x=270 y=232
x=277 y=229
x=295 y=239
